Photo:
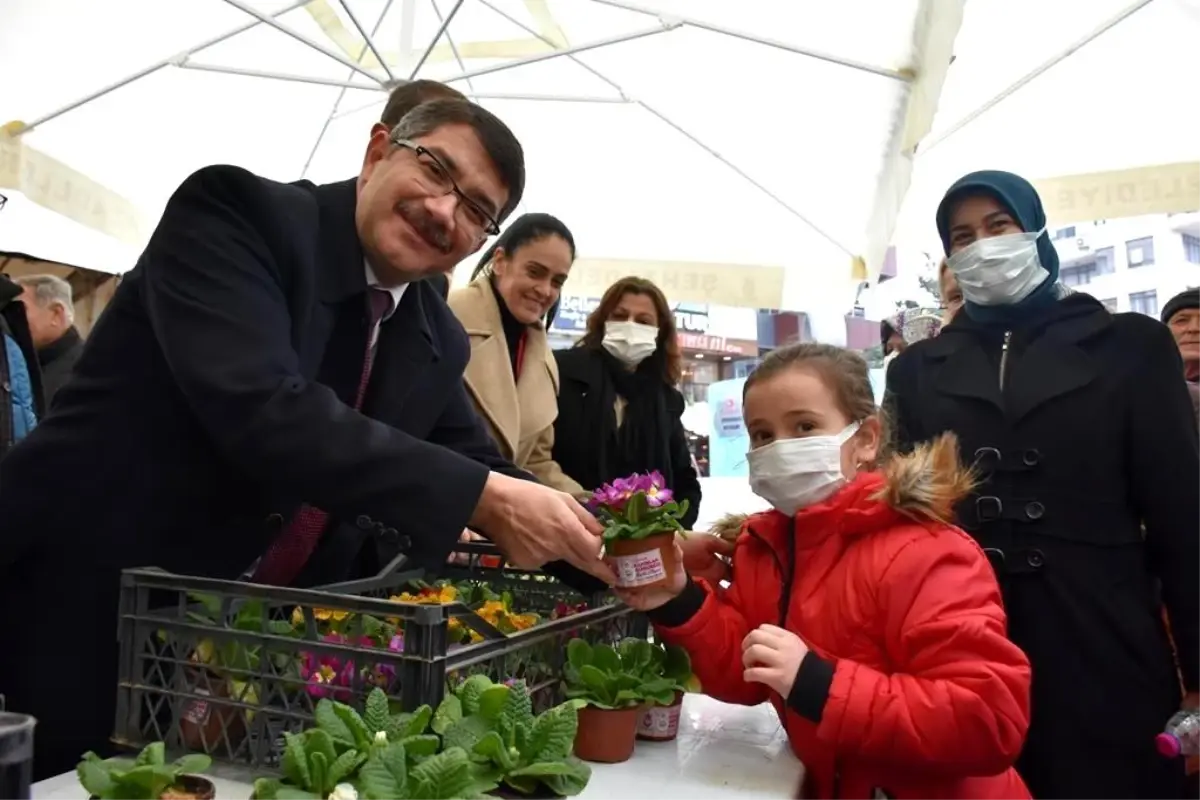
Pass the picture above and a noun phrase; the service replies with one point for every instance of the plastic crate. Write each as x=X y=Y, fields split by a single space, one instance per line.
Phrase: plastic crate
x=226 y=667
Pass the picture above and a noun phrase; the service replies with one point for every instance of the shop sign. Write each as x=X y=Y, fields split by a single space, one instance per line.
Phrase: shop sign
x=711 y=344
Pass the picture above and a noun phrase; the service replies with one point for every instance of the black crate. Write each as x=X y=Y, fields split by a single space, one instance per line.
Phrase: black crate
x=229 y=675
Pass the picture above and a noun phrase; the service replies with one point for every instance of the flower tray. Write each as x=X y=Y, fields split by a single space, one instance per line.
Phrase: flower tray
x=226 y=667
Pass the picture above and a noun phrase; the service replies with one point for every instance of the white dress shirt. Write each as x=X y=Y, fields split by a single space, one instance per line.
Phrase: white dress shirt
x=395 y=291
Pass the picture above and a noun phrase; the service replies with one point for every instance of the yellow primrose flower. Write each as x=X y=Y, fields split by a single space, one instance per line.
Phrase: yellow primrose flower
x=429 y=596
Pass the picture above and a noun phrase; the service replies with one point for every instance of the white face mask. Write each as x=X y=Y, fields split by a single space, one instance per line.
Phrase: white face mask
x=630 y=342
x=791 y=474
x=999 y=271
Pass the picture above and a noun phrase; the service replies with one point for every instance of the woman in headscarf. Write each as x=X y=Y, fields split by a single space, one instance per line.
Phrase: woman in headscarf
x=618 y=409
x=1081 y=432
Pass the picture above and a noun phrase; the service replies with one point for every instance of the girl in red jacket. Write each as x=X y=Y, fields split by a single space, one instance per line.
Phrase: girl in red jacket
x=871 y=623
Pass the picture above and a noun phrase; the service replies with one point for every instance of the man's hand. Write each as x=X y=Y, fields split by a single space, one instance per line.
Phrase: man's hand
x=646 y=598
x=703 y=556
x=534 y=524
x=772 y=656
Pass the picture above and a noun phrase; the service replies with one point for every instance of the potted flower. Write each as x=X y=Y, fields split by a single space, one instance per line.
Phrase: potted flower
x=640 y=520
x=146 y=777
x=668 y=674
x=610 y=682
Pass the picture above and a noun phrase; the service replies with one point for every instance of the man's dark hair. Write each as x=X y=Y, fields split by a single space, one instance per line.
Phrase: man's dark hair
x=498 y=141
x=407 y=96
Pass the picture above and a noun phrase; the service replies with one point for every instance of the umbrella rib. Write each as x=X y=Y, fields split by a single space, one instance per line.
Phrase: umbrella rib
x=369 y=38
x=453 y=47
x=441 y=29
x=367 y=42
x=155 y=67
x=299 y=37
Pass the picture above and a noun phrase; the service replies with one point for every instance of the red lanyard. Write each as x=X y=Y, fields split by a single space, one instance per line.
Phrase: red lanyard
x=520 y=357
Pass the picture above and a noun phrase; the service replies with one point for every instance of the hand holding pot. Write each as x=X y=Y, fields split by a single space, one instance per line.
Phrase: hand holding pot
x=703 y=556
x=646 y=598
x=534 y=524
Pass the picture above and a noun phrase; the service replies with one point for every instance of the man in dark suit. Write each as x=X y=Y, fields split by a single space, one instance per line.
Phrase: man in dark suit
x=273 y=385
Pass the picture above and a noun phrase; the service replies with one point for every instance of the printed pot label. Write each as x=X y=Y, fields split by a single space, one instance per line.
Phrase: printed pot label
x=197 y=711
x=640 y=569
x=658 y=722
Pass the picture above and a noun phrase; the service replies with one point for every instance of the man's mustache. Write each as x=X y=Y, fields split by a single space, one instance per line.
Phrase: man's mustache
x=429 y=229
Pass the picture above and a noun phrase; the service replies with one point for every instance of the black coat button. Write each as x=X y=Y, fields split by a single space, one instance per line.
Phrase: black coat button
x=1031 y=457
x=1035 y=510
x=274 y=520
x=404 y=542
x=1035 y=559
x=388 y=534
x=365 y=522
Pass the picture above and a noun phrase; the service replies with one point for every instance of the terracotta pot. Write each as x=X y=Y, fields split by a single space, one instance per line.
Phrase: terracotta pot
x=201 y=722
x=642 y=563
x=606 y=736
x=189 y=787
x=660 y=723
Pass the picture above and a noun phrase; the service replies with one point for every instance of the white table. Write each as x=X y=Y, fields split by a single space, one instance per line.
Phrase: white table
x=722 y=750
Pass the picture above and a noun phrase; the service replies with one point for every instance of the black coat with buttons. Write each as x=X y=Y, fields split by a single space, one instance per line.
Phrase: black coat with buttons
x=1090 y=438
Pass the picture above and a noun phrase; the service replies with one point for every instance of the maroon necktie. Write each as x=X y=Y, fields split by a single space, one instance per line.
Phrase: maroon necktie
x=290 y=550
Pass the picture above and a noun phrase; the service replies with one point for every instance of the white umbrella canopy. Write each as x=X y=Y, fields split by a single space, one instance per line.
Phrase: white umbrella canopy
x=1063 y=88
x=674 y=140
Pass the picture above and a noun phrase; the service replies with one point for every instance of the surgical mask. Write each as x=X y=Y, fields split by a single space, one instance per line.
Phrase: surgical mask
x=630 y=342
x=792 y=474
x=1000 y=270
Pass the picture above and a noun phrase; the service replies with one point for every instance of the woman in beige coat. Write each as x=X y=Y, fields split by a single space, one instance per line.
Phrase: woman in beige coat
x=512 y=377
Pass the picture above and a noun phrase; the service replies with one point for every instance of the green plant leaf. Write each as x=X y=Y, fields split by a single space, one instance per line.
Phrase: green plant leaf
x=446 y=776
x=344 y=766
x=421 y=745
x=579 y=653
x=140 y=783
x=384 y=776
x=152 y=754
x=377 y=715
x=449 y=711
x=569 y=783
x=94 y=777
x=493 y=748
x=319 y=741
x=524 y=784
x=553 y=734
x=318 y=772
x=362 y=737
x=626 y=698
x=286 y=792
x=329 y=721
x=470 y=690
x=266 y=788
x=295 y=761
x=493 y=700
x=465 y=733
x=605 y=658
x=635 y=507
x=191 y=764
x=404 y=725
x=593 y=678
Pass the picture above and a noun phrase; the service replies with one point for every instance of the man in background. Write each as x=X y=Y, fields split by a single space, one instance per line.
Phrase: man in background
x=21 y=403
x=1182 y=315
x=50 y=309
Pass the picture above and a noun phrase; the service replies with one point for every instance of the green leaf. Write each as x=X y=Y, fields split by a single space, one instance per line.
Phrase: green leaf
x=192 y=764
x=295 y=761
x=329 y=721
x=493 y=748
x=286 y=792
x=362 y=737
x=344 y=766
x=446 y=776
x=572 y=783
x=377 y=715
x=635 y=507
x=683 y=508
x=492 y=701
x=384 y=776
x=152 y=754
x=319 y=741
x=140 y=783
x=266 y=788
x=421 y=745
x=593 y=678
x=605 y=658
x=626 y=698
x=524 y=784
x=553 y=735
x=470 y=690
x=318 y=772
x=465 y=733
x=449 y=711
x=404 y=725
x=579 y=653
x=94 y=777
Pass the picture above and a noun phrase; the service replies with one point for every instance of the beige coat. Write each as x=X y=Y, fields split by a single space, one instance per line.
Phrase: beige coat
x=520 y=414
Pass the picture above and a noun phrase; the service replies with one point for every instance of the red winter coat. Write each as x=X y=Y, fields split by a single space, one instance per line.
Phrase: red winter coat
x=928 y=698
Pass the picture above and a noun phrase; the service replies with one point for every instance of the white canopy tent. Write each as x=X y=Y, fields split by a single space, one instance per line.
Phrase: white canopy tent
x=752 y=133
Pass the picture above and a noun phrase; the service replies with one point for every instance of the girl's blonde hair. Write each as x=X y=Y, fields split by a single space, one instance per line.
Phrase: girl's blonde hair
x=925 y=483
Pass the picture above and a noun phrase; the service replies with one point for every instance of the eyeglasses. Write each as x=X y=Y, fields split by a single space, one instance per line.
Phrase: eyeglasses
x=437 y=181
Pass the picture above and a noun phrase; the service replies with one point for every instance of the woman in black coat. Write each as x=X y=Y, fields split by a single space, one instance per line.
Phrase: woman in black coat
x=1081 y=430
x=618 y=409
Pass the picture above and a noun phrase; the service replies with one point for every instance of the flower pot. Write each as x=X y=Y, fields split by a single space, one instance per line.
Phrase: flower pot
x=189 y=787
x=205 y=726
x=642 y=563
x=660 y=723
x=606 y=736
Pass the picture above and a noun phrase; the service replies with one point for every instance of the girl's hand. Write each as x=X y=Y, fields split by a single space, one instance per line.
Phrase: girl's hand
x=704 y=556
x=648 y=598
x=772 y=657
